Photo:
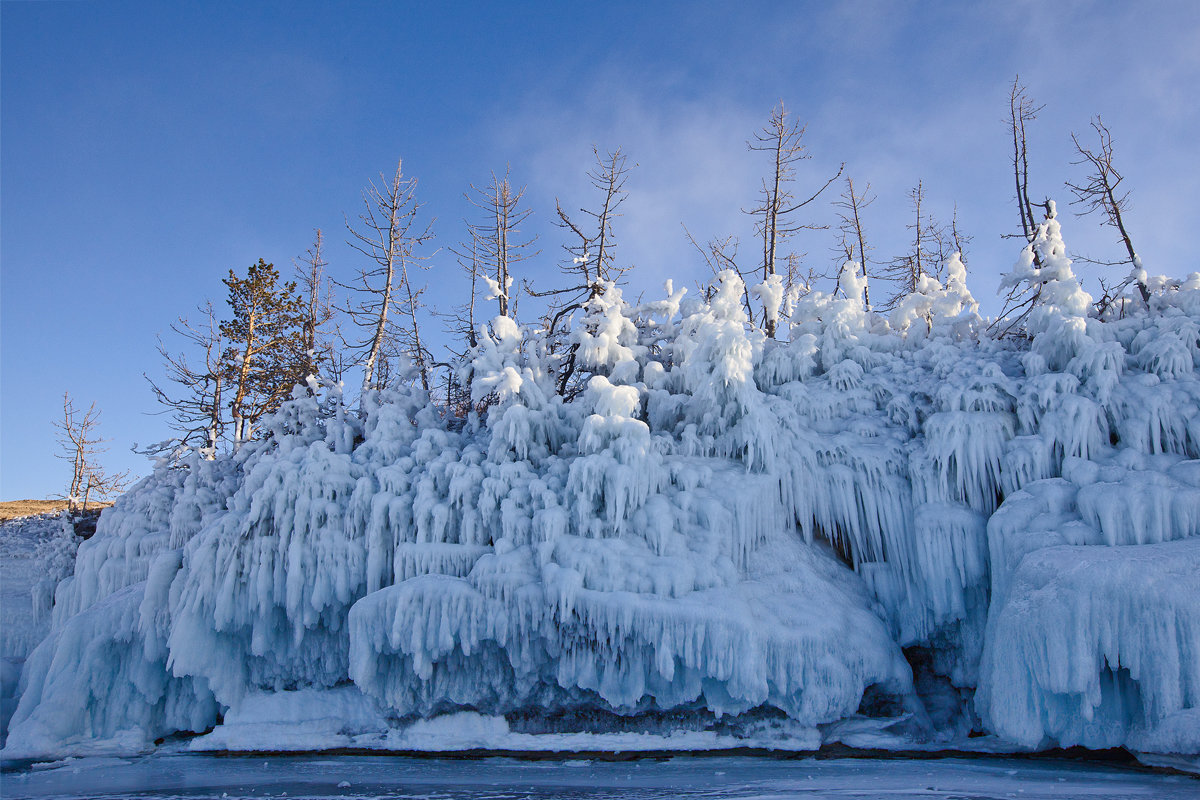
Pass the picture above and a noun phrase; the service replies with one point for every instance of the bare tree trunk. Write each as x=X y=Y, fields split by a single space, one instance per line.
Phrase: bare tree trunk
x=852 y=204
x=388 y=239
x=862 y=241
x=918 y=197
x=389 y=265
x=502 y=209
x=784 y=140
x=318 y=349
x=472 y=333
x=495 y=243
x=380 y=328
x=1100 y=192
x=214 y=425
x=1022 y=110
x=238 y=409
x=418 y=348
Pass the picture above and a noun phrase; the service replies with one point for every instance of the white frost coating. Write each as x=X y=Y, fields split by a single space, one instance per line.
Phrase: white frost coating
x=965 y=450
x=1140 y=507
x=770 y=294
x=933 y=309
x=1127 y=499
x=680 y=531
x=1097 y=645
x=495 y=290
x=607 y=339
x=852 y=280
x=262 y=597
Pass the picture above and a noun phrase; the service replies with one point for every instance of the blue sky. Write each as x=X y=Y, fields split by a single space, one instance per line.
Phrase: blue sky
x=147 y=148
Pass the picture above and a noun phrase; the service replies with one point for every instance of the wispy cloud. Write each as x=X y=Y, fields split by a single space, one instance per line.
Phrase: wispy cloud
x=688 y=159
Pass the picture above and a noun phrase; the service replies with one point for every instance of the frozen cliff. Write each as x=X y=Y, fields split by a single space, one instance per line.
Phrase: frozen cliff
x=898 y=516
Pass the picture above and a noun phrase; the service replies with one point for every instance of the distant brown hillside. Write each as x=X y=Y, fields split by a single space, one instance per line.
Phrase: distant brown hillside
x=27 y=508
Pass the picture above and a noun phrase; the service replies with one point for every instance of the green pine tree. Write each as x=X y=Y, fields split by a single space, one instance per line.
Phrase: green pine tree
x=265 y=357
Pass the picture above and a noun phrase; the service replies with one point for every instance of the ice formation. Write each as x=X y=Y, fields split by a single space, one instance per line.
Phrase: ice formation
x=36 y=552
x=713 y=522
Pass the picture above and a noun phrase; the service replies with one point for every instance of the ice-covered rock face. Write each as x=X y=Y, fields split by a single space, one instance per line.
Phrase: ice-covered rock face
x=1094 y=633
x=712 y=520
x=100 y=680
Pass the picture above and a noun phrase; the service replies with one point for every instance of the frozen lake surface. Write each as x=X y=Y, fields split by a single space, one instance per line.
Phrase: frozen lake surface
x=679 y=777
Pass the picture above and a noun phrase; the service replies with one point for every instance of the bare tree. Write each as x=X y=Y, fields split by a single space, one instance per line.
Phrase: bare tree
x=942 y=242
x=851 y=227
x=196 y=410
x=319 y=356
x=1102 y=193
x=797 y=282
x=387 y=303
x=783 y=139
x=461 y=323
x=958 y=240
x=461 y=326
x=496 y=242
x=718 y=254
x=1022 y=110
x=81 y=445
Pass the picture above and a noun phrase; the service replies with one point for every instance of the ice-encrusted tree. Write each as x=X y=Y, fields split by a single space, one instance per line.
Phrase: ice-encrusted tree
x=1046 y=303
x=606 y=339
x=511 y=377
x=950 y=308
